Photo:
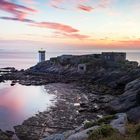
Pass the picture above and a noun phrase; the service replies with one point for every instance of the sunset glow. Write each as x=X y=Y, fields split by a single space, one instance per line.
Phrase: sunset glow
x=86 y=23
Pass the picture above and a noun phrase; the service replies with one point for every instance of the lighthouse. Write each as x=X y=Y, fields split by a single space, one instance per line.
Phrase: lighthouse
x=41 y=55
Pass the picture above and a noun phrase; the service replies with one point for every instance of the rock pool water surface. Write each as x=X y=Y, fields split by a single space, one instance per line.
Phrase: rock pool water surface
x=19 y=102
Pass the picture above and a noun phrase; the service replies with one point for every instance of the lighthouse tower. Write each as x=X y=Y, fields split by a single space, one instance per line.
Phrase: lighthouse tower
x=41 y=53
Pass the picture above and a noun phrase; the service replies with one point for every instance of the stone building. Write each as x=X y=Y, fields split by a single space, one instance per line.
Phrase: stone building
x=114 y=56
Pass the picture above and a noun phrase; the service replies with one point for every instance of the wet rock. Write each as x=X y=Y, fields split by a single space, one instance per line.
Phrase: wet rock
x=3 y=136
x=9 y=133
x=28 y=132
x=120 y=123
x=13 y=83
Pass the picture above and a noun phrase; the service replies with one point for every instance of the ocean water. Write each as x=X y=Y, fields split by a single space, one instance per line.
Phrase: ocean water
x=24 y=60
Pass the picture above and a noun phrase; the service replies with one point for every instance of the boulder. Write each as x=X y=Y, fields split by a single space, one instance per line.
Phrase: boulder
x=120 y=122
x=134 y=85
x=71 y=132
x=129 y=99
x=134 y=114
x=83 y=135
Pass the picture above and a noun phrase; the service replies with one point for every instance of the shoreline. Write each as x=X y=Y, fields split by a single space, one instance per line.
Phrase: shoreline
x=61 y=117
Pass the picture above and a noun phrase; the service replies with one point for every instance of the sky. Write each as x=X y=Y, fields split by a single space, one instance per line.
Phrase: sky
x=70 y=24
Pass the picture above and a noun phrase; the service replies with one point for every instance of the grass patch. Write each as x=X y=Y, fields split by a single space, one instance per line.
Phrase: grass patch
x=102 y=132
x=104 y=120
x=106 y=132
x=89 y=124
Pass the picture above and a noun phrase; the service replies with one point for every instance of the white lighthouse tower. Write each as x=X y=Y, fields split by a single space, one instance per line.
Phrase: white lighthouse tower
x=41 y=53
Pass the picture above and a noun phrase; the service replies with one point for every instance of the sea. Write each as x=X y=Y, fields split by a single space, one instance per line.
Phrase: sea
x=19 y=102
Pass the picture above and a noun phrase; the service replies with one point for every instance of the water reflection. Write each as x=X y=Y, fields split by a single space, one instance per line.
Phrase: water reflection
x=19 y=102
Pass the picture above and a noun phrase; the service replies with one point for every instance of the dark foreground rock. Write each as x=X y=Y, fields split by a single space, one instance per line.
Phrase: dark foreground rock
x=128 y=99
x=134 y=114
x=7 y=135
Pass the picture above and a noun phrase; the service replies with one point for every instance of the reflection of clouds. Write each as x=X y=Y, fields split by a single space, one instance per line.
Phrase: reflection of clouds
x=5 y=115
x=20 y=102
x=4 y=112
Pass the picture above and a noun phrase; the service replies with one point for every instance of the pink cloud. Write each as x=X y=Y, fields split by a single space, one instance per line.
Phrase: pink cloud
x=56 y=3
x=56 y=26
x=71 y=35
x=78 y=3
x=81 y=4
x=17 y=19
x=85 y=8
x=18 y=11
x=104 y=3
x=78 y=36
x=29 y=1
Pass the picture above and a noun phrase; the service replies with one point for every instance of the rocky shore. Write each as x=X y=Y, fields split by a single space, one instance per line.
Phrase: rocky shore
x=82 y=98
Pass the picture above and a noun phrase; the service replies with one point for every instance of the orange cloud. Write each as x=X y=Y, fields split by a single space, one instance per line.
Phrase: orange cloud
x=85 y=8
x=56 y=26
x=131 y=43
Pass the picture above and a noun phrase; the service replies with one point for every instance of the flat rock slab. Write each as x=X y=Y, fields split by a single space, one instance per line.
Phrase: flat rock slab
x=120 y=122
x=55 y=137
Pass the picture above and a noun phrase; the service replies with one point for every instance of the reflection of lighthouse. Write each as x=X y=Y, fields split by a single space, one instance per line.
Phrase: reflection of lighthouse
x=41 y=55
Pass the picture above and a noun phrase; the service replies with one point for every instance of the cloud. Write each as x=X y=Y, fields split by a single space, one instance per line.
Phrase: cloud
x=18 y=11
x=16 y=19
x=78 y=36
x=85 y=8
x=55 y=26
x=29 y=1
x=81 y=4
x=56 y=4
x=104 y=3
x=78 y=4
x=131 y=42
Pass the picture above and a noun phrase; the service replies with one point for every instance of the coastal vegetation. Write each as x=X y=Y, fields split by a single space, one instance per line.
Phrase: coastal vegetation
x=106 y=132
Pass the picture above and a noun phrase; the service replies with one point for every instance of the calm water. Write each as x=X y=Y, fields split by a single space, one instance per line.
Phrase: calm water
x=23 y=60
x=19 y=102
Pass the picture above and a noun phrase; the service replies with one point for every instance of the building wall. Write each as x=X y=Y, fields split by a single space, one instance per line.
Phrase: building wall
x=114 y=56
